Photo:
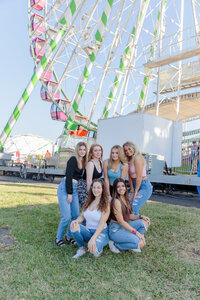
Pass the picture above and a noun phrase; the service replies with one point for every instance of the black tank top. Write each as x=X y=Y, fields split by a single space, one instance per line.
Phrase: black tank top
x=96 y=174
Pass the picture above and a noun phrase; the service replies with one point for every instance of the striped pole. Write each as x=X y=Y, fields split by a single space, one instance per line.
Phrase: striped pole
x=153 y=47
x=127 y=55
x=65 y=19
x=89 y=64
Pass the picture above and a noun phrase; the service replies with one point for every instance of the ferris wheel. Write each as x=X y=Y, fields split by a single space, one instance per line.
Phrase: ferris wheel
x=105 y=58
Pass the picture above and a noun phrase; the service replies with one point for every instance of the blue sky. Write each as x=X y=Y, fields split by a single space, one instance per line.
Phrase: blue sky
x=16 y=71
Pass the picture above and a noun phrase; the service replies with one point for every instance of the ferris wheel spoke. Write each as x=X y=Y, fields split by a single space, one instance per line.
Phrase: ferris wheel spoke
x=127 y=55
x=98 y=40
x=114 y=44
x=158 y=29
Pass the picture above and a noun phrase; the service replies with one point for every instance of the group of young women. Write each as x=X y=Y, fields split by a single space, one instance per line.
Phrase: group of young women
x=107 y=200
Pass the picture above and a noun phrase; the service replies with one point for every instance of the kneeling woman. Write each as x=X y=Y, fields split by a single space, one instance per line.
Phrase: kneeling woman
x=96 y=211
x=126 y=230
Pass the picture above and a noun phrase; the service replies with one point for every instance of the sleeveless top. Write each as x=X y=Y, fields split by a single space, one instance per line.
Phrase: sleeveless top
x=97 y=174
x=92 y=218
x=126 y=217
x=114 y=175
x=132 y=171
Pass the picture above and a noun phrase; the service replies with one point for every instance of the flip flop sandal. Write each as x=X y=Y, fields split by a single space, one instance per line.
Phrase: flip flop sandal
x=60 y=243
x=71 y=241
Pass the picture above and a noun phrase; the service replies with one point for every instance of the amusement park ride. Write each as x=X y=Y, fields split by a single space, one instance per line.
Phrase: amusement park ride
x=108 y=58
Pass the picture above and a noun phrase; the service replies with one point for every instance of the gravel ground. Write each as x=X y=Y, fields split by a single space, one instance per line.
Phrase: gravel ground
x=177 y=197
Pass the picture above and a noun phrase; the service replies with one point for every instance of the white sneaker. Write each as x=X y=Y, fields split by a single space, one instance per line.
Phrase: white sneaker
x=112 y=247
x=136 y=250
x=97 y=253
x=79 y=253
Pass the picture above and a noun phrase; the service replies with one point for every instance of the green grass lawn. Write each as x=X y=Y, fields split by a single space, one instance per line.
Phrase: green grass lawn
x=35 y=268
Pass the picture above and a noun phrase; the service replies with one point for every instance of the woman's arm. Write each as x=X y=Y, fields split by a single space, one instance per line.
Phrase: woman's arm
x=76 y=222
x=124 y=171
x=71 y=166
x=119 y=216
x=89 y=174
x=92 y=242
x=106 y=179
x=139 y=165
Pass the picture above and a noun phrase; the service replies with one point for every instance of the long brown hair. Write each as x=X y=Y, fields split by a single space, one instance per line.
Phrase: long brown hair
x=126 y=209
x=103 y=203
x=91 y=150
x=84 y=161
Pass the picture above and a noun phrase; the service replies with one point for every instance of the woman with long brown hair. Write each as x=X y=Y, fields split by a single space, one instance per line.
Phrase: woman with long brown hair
x=126 y=230
x=95 y=212
x=141 y=188
x=68 y=194
x=94 y=168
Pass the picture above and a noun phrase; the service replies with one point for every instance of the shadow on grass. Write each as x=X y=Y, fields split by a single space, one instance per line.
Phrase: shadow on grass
x=33 y=194
x=37 y=185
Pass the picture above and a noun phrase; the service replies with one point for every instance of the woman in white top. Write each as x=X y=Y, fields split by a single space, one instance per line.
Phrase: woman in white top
x=96 y=211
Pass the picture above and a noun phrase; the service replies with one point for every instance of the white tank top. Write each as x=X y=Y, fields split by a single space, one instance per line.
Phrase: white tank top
x=93 y=218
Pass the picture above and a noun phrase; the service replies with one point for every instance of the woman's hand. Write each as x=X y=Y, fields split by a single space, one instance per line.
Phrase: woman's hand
x=74 y=225
x=69 y=198
x=141 y=236
x=145 y=218
x=92 y=245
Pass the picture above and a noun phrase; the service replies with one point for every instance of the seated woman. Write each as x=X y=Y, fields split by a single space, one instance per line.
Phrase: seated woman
x=126 y=230
x=141 y=188
x=114 y=168
x=96 y=211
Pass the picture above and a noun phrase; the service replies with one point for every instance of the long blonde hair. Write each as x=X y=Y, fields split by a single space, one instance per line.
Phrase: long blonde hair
x=120 y=154
x=135 y=148
x=84 y=161
x=91 y=150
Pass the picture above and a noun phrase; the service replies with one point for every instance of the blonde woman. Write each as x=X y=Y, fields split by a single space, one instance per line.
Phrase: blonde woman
x=114 y=168
x=67 y=193
x=141 y=188
x=94 y=168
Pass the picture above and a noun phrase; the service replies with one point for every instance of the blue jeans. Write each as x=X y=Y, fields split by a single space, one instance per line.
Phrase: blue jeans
x=124 y=239
x=145 y=192
x=69 y=211
x=84 y=235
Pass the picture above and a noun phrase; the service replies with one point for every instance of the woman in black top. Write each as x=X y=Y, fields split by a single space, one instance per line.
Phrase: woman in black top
x=67 y=192
x=94 y=168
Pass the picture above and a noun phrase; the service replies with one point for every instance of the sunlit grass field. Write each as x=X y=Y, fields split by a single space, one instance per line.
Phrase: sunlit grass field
x=35 y=268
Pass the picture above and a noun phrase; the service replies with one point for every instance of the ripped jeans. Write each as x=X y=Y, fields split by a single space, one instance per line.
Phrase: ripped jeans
x=84 y=235
x=145 y=192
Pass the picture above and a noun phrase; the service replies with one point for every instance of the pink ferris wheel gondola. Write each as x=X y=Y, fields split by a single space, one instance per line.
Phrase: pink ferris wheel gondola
x=51 y=86
x=38 y=44
x=37 y=27
x=38 y=4
x=57 y=114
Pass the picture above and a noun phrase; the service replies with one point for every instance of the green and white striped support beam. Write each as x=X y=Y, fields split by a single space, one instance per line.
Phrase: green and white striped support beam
x=154 y=43
x=64 y=21
x=89 y=63
x=127 y=55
